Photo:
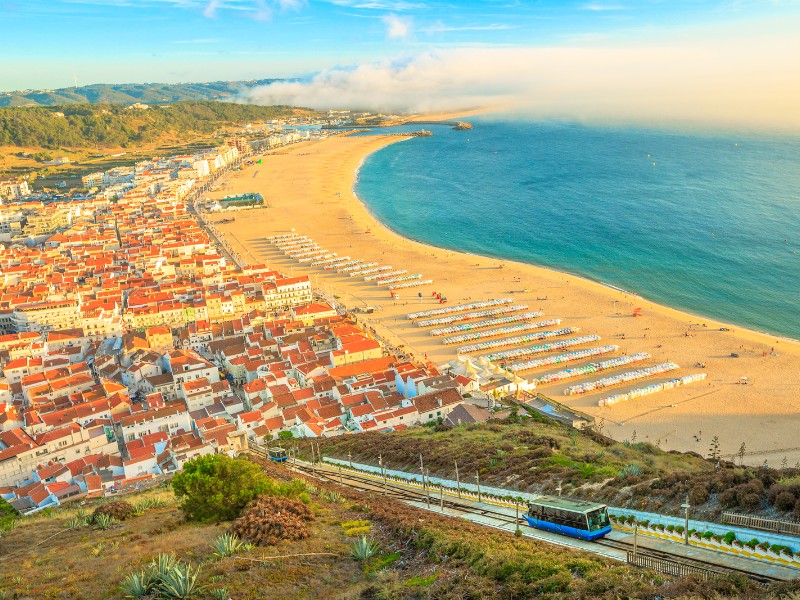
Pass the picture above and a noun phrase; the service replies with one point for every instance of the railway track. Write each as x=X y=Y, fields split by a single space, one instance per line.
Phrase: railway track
x=653 y=558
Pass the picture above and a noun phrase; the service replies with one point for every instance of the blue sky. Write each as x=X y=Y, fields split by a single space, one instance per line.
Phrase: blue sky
x=47 y=42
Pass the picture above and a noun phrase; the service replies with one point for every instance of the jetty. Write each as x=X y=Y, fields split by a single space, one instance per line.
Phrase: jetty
x=458 y=125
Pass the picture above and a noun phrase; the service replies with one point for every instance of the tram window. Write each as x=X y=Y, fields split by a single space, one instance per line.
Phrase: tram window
x=598 y=519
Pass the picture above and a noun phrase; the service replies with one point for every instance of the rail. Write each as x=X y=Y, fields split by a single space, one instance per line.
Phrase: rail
x=666 y=566
x=762 y=523
x=435 y=495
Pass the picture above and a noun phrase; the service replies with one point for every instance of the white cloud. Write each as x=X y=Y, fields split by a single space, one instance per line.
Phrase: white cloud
x=211 y=9
x=442 y=28
x=395 y=5
x=597 y=7
x=397 y=27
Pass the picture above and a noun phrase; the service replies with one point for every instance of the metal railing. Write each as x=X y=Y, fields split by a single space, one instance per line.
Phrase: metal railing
x=667 y=566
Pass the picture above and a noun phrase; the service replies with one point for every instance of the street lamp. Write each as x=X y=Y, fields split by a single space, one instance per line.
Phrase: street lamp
x=686 y=506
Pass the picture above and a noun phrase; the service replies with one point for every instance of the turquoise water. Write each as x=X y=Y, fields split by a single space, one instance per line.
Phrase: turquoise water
x=706 y=223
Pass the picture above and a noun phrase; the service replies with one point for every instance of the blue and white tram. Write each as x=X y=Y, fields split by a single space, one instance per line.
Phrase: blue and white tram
x=277 y=454
x=575 y=518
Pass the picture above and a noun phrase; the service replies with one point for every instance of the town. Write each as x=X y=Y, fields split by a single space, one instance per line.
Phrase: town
x=133 y=341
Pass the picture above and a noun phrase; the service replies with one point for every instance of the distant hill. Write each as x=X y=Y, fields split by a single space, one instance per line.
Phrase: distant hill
x=130 y=93
x=111 y=125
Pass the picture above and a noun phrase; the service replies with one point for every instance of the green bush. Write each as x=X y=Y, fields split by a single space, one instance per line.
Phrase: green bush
x=8 y=515
x=216 y=487
x=729 y=537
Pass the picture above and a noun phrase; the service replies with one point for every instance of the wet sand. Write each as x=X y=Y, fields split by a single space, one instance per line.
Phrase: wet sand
x=309 y=188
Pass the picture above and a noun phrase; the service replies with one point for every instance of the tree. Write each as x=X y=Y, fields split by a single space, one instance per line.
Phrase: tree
x=7 y=515
x=216 y=487
x=741 y=453
x=713 y=452
x=286 y=435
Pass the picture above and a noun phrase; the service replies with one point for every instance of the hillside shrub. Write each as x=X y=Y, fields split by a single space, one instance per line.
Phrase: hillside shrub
x=270 y=519
x=698 y=495
x=796 y=511
x=8 y=515
x=750 y=501
x=727 y=499
x=785 y=501
x=116 y=509
x=216 y=487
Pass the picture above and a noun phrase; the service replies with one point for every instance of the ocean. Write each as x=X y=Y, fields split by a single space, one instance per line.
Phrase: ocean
x=709 y=224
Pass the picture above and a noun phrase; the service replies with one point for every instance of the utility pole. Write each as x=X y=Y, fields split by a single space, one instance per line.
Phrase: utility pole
x=458 y=481
x=516 y=516
x=441 y=496
x=341 y=480
x=383 y=473
x=425 y=474
x=478 y=480
x=422 y=470
x=350 y=458
x=635 y=538
x=686 y=506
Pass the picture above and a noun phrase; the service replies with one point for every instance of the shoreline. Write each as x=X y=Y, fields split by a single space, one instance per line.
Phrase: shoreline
x=308 y=184
x=687 y=311
x=587 y=279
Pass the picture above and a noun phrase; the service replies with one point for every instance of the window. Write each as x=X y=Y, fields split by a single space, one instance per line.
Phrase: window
x=598 y=519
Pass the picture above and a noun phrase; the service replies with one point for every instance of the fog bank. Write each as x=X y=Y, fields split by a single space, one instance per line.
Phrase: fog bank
x=719 y=81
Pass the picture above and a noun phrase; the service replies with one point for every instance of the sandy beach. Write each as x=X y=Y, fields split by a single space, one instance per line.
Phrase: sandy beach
x=309 y=188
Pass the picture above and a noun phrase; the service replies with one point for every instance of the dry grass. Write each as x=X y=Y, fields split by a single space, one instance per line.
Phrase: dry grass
x=90 y=563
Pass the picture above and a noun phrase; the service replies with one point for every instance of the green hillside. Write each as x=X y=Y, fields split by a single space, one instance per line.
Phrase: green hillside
x=129 y=93
x=311 y=548
x=89 y=125
x=540 y=455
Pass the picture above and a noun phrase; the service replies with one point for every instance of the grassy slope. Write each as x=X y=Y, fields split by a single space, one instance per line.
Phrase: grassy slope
x=535 y=456
x=423 y=555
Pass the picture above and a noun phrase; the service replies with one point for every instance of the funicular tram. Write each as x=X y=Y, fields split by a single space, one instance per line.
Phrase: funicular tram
x=575 y=518
x=277 y=454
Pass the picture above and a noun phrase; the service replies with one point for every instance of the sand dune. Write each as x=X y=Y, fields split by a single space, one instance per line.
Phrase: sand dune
x=309 y=187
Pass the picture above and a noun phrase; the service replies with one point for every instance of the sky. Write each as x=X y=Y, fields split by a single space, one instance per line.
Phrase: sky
x=717 y=60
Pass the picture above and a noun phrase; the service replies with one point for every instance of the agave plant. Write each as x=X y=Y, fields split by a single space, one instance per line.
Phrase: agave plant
x=363 y=548
x=229 y=544
x=162 y=564
x=179 y=582
x=138 y=585
x=631 y=470
x=75 y=523
x=104 y=521
x=220 y=594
